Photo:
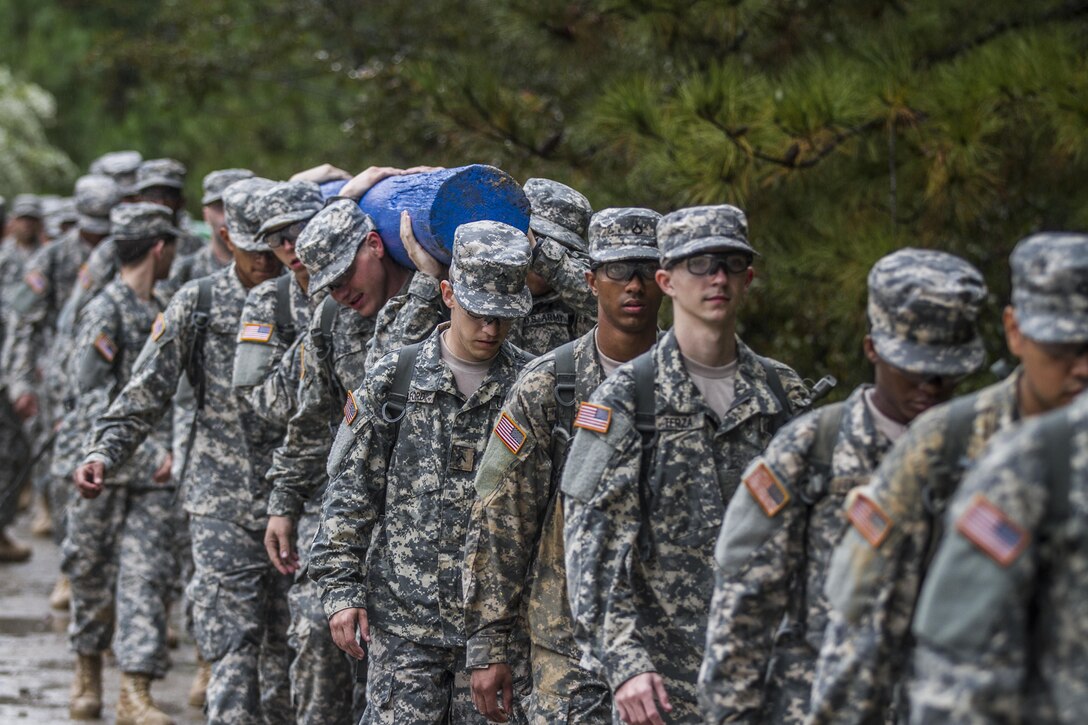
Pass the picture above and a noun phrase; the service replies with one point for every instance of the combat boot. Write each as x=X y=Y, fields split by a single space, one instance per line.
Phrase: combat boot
x=85 y=698
x=199 y=689
x=12 y=552
x=42 y=523
x=61 y=596
x=135 y=706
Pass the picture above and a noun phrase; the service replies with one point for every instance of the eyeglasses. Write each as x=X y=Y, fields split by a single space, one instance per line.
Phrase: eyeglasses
x=288 y=234
x=709 y=264
x=920 y=379
x=344 y=277
x=624 y=271
x=485 y=320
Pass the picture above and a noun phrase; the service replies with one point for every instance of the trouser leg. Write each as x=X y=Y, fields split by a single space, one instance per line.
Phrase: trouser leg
x=90 y=559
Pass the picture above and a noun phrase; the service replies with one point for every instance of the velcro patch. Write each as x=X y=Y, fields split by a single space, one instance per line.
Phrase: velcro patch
x=85 y=280
x=105 y=347
x=767 y=489
x=593 y=417
x=256 y=332
x=987 y=527
x=869 y=519
x=35 y=280
x=510 y=433
x=351 y=410
x=158 y=327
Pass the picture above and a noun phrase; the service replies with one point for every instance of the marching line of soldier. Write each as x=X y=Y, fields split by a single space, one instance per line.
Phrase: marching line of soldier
x=494 y=490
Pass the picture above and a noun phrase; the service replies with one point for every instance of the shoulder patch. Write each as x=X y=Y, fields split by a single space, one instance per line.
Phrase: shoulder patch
x=158 y=327
x=510 y=433
x=85 y=280
x=593 y=417
x=256 y=332
x=869 y=519
x=105 y=347
x=988 y=528
x=766 y=489
x=351 y=409
x=35 y=280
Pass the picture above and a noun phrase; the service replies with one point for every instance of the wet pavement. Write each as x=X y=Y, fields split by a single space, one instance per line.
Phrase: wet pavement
x=35 y=662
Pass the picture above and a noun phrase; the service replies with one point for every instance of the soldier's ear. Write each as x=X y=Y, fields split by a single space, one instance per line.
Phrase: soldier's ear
x=664 y=281
x=591 y=280
x=224 y=234
x=870 y=350
x=447 y=293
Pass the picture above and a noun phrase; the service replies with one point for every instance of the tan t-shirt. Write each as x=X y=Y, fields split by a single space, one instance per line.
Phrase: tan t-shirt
x=608 y=365
x=715 y=383
x=467 y=374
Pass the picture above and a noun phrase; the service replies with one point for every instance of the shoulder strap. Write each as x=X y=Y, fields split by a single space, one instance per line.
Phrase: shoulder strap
x=786 y=411
x=322 y=342
x=194 y=366
x=953 y=460
x=565 y=382
x=1057 y=445
x=285 y=321
x=397 y=397
x=828 y=426
x=646 y=425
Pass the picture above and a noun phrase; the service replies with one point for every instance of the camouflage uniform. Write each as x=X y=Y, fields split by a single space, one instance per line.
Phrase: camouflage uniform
x=238 y=600
x=169 y=173
x=410 y=486
x=639 y=575
x=121 y=540
x=1000 y=624
x=517 y=523
x=876 y=570
x=768 y=613
x=121 y=166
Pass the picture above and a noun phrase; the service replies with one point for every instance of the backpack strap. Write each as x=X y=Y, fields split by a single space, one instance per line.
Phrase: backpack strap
x=646 y=425
x=322 y=342
x=566 y=379
x=948 y=469
x=774 y=381
x=1057 y=434
x=828 y=426
x=194 y=366
x=397 y=397
x=285 y=322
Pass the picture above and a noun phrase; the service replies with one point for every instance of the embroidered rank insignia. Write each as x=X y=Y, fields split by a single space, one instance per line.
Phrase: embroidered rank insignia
x=36 y=281
x=510 y=433
x=988 y=528
x=869 y=519
x=158 y=327
x=593 y=417
x=105 y=347
x=256 y=332
x=84 y=277
x=767 y=489
x=351 y=410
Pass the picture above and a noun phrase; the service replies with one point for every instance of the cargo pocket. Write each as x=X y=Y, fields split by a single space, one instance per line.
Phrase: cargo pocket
x=546 y=708
x=208 y=626
x=379 y=696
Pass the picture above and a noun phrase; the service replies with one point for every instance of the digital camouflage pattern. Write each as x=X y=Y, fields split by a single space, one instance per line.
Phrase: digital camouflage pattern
x=288 y=202
x=558 y=212
x=873 y=590
x=623 y=233
x=701 y=230
x=1005 y=642
x=407 y=317
x=768 y=613
x=655 y=585
x=26 y=205
x=242 y=204
x=57 y=213
x=120 y=165
x=328 y=244
x=160 y=172
x=514 y=555
x=215 y=182
x=923 y=312
x=487 y=274
x=189 y=267
x=95 y=196
x=1050 y=287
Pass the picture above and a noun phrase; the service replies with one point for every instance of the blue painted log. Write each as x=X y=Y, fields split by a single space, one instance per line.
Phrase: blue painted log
x=332 y=188
x=441 y=201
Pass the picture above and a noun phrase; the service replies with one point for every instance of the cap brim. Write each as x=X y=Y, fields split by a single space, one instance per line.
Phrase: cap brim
x=707 y=245
x=623 y=254
x=489 y=304
x=248 y=243
x=285 y=220
x=211 y=198
x=560 y=234
x=1048 y=327
x=922 y=359
x=94 y=225
x=322 y=278
x=158 y=181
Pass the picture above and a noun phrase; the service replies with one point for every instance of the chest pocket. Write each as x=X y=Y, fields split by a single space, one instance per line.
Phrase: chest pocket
x=412 y=470
x=687 y=507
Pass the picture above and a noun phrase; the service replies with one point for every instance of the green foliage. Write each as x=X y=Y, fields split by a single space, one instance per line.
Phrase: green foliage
x=27 y=159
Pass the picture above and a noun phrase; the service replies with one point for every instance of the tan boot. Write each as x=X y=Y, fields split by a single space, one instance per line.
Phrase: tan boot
x=135 y=706
x=85 y=698
x=12 y=552
x=199 y=688
x=42 y=524
x=61 y=596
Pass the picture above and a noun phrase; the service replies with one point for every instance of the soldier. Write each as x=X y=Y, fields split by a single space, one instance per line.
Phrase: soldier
x=121 y=166
x=59 y=217
x=1000 y=624
x=514 y=551
x=402 y=468
x=120 y=537
x=768 y=613
x=238 y=601
x=563 y=306
x=661 y=447
x=162 y=181
x=876 y=570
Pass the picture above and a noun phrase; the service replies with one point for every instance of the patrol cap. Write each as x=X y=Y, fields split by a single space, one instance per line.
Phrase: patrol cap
x=286 y=203
x=58 y=211
x=95 y=195
x=490 y=261
x=923 y=312
x=558 y=212
x=28 y=205
x=216 y=181
x=328 y=244
x=623 y=233
x=141 y=220
x=241 y=202
x=1050 y=286
x=701 y=230
x=160 y=172
x=120 y=165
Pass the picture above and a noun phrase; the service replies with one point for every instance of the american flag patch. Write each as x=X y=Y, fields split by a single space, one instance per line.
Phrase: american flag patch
x=36 y=281
x=256 y=332
x=350 y=409
x=84 y=277
x=105 y=347
x=510 y=433
x=988 y=528
x=869 y=519
x=766 y=489
x=158 y=327
x=593 y=417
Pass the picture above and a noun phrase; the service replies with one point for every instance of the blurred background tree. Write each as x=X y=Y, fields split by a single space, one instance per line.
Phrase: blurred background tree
x=845 y=130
